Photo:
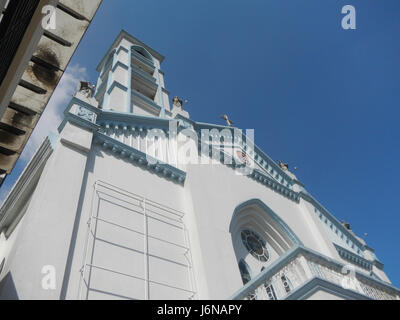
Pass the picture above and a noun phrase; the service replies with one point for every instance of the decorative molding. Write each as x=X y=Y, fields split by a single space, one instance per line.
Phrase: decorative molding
x=145 y=60
x=148 y=102
x=307 y=197
x=353 y=258
x=86 y=114
x=317 y=284
x=118 y=85
x=378 y=264
x=131 y=154
x=143 y=74
x=125 y=35
x=131 y=120
x=312 y=257
x=122 y=48
x=259 y=157
x=262 y=178
x=261 y=205
x=146 y=81
x=119 y=64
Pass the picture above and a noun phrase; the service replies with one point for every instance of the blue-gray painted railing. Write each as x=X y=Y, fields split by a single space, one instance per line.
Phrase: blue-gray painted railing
x=301 y=266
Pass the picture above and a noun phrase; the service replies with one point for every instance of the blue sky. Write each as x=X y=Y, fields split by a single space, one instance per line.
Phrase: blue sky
x=320 y=98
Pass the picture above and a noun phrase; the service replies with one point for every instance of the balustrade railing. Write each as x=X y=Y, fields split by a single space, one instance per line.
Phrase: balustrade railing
x=300 y=266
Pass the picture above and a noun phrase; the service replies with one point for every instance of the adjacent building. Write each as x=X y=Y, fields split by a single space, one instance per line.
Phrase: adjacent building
x=37 y=40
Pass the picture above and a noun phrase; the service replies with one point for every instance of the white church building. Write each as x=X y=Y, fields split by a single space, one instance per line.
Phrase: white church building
x=133 y=199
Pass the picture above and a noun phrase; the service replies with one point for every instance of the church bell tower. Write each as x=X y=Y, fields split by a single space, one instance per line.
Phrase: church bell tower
x=130 y=79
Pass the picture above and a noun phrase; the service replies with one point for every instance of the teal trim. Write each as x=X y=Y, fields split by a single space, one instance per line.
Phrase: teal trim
x=118 y=148
x=144 y=52
x=147 y=61
x=131 y=154
x=125 y=35
x=82 y=103
x=260 y=157
x=353 y=258
x=70 y=117
x=118 y=85
x=128 y=107
x=271 y=183
x=378 y=264
x=121 y=119
x=260 y=204
x=310 y=254
x=332 y=219
x=146 y=100
x=144 y=74
x=119 y=64
x=317 y=284
x=160 y=95
x=122 y=48
x=146 y=80
x=267 y=273
x=106 y=104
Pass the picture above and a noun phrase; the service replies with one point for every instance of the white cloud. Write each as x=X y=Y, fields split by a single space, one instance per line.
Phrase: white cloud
x=49 y=121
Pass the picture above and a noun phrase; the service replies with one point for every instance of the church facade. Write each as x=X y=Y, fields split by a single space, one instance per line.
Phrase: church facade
x=132 y=199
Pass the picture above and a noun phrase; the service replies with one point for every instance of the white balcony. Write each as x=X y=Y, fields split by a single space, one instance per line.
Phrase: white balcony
x=303 y=272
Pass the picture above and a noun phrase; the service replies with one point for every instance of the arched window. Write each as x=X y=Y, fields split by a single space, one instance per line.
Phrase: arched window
x=142 y=51
x=255 y=245
x=244 y=271
x=259 y=237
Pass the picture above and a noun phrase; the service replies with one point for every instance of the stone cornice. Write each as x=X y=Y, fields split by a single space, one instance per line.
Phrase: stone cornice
x=317 y=284
x=331 y=218
x=353 y=258
x=271 y=183
x=259 y=156
x=133 y=155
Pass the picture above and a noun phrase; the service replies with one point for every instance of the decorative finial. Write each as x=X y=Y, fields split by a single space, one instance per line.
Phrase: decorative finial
x=346 y=225
x=228 y=121
x=177 y=102
x=86 y=89
x=284 y=166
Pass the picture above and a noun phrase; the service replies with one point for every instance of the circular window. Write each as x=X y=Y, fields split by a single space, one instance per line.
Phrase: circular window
x=255 y=245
